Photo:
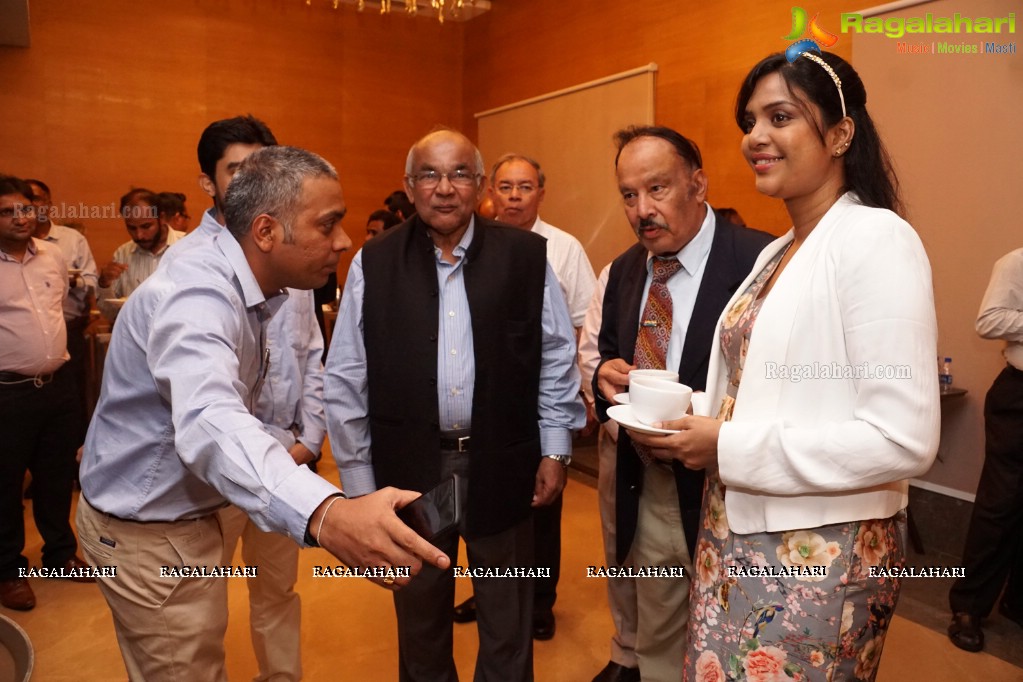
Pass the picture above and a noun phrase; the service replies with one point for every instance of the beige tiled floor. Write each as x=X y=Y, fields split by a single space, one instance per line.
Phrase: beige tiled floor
x=349 y=632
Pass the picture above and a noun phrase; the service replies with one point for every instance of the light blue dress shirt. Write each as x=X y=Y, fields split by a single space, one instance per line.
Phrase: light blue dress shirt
x=683 y=287
x=292 y=394
x=174 y=436
x=345 y=388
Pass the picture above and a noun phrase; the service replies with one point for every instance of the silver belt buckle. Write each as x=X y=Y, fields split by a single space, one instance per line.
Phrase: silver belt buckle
x=463 y=443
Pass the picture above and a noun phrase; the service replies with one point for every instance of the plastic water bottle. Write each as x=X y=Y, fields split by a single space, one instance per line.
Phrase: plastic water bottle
x=945 y=376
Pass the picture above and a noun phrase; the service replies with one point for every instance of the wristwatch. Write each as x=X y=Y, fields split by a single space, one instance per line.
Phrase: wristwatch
x=563 y=460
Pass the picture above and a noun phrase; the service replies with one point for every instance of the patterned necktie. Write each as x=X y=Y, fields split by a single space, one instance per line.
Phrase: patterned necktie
x=655 y=328
x=655 y=324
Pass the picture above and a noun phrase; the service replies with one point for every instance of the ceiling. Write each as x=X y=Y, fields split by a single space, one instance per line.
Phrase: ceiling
x=14 y=24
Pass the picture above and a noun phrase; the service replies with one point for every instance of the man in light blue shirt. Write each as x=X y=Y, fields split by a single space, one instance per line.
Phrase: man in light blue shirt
x=290 y=406
x=174 y=437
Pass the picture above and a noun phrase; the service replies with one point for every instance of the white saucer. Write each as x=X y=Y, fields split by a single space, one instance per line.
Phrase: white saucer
x=622 y=398
x=623 y=415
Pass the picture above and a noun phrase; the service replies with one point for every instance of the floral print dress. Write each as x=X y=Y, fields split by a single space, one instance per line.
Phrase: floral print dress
x=826 y=617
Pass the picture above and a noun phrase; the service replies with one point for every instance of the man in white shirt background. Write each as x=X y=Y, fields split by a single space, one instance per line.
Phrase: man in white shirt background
x=135 y=260
x=516 y=190
x=993 y=555
x=82 y=278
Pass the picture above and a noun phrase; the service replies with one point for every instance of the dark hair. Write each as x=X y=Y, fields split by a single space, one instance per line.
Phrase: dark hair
x=397 y=202
x=685 y=147
x=138 y=194
x=171 y=203
x=220 y=135
x=270 y=181
x=541 y=179
x=868 y=168
x=33 y=181
x=731 y=215
x=12 y=185
x=386 y=217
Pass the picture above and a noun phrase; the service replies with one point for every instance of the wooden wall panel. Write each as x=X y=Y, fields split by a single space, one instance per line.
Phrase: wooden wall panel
x=524 y=48
x=114 y=94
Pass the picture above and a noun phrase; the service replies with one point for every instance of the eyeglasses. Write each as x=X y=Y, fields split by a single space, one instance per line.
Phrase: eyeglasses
x=26 y=211
x=429 y=179
x=525 y=188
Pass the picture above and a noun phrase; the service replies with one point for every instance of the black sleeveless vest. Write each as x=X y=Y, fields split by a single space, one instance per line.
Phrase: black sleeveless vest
x=504 y=281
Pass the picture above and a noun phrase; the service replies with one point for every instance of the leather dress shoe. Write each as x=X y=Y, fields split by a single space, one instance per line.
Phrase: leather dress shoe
x=965 y=632
x=76 y=564
x=17 y=594
x=1015 y=616
x=616 y=672
x=543 y=625
x=465 y=612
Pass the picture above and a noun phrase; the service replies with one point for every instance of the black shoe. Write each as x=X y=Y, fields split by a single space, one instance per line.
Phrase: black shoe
x=616 y=672
x=1015 y=616
x=965 y=632
x=543 y=625
x=465 y=612
x=75 y=570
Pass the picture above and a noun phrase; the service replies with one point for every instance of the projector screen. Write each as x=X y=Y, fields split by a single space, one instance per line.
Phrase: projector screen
x=569 y=133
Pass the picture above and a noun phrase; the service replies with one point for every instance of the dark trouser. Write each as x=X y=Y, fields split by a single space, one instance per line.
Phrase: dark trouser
x=37 y=434
x=504 y=606
x=994 y=543
x=547 y=546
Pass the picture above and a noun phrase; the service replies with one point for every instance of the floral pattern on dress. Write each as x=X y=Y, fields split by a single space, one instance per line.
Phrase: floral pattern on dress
x=826 y=618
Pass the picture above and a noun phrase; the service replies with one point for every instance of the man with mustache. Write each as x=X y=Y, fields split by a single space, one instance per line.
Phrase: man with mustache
x=37 y=412
x=134 y=261
x=703 y=259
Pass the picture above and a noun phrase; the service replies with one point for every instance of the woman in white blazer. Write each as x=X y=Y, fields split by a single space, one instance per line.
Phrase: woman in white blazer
x=825 y=406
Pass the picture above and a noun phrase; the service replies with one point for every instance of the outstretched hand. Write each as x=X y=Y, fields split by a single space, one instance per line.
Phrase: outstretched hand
x=366 y=532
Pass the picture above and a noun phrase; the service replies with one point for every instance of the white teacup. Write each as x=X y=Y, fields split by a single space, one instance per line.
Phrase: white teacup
x=644 y=374
x=701 y=404
x=657 y=400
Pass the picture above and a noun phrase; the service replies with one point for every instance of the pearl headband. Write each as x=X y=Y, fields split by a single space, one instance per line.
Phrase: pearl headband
x=831 y=72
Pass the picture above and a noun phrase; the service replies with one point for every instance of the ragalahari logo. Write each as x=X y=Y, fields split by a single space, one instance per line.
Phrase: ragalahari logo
x=808 y=34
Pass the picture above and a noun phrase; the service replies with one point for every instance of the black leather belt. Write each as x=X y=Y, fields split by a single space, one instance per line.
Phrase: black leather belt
x=15 y=378
x=460 y=444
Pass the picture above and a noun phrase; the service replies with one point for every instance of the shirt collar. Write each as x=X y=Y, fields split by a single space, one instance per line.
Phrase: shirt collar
x=172 y=236
x=463 y=245
x=695 y=252
x=29 y=253
x=251 y=292
x=209 y=225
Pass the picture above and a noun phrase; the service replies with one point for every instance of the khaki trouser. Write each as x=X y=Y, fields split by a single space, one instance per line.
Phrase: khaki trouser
x=275 y=609
x=170 y=629
x=663 y=602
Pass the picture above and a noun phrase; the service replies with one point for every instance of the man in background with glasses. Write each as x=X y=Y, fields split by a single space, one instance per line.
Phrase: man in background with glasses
x=517 y=189
x=454 y=354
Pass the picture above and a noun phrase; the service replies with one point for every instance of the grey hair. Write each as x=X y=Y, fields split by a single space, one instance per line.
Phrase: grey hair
x=477 y=157
x=270 y=181
x=508 y=158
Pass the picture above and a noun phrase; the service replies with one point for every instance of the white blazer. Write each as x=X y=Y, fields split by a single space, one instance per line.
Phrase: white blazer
x=805 y=448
